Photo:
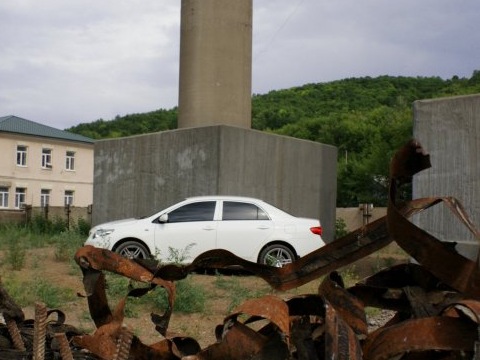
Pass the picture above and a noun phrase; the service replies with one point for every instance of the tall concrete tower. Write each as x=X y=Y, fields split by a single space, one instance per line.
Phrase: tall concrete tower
x=215 y=86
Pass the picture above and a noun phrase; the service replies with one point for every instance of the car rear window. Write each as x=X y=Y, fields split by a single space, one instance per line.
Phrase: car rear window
x=199 y=211
x=233 y=210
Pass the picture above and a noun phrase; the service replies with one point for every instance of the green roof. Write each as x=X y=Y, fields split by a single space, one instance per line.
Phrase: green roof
x=17 y=125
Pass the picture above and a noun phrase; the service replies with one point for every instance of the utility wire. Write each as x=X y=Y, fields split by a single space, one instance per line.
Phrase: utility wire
x=284 y=23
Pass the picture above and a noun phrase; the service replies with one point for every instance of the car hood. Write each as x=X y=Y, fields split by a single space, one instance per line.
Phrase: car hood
x=123 y=222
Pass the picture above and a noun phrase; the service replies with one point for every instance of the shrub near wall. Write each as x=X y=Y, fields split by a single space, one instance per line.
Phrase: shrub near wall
x=54 y=213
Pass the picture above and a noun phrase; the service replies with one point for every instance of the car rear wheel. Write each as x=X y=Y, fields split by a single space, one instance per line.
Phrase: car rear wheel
x=133 y=250
x=277 y=255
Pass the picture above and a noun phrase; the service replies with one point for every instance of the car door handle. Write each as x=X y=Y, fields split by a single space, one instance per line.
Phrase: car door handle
x=208 y=228
x=263 y=227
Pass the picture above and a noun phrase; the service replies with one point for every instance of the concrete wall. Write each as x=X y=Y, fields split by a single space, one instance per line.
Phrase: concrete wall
x=449 y=130
x=355 y=217
x=140 y=175
x=215 y=85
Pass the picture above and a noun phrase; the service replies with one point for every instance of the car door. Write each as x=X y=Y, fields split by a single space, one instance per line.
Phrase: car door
x=244 y=229
x=189 y=231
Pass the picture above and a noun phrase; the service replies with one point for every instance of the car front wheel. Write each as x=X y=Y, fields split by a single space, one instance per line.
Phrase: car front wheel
x=277 y=255
x=132 y=250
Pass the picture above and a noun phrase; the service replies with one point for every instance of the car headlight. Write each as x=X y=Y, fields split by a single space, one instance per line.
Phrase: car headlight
x=101 y=233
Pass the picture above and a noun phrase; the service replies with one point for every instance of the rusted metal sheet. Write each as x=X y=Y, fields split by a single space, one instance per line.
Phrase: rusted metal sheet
x=435 y=308
x=461 y=273
x=340 y=340
x=348 y=307
x=341 y=252
x=442 y=334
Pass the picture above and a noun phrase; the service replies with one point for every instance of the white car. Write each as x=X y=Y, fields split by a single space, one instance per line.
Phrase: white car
x=247 y=227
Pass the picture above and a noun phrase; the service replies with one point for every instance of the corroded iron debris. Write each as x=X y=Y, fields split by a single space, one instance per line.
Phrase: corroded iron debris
x=436 y=299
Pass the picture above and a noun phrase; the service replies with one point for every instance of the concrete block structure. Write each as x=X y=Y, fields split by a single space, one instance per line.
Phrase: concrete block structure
x=142 y=174
x=449 y=130
x=214 y=151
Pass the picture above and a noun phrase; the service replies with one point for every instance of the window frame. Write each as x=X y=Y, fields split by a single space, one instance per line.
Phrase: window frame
x=68 y=198
x=20 y=197
x=45 y=197
x=70 y=160
x=46 y=158
x=4 y=196
x=22 y=155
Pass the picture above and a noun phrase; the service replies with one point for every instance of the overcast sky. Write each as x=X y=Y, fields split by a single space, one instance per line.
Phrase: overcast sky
x=63 y=63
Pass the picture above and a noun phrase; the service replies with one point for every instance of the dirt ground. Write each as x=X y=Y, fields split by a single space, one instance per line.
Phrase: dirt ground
x=42 y=262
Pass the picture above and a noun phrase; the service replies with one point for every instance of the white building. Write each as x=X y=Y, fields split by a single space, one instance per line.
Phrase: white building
x=41 y=165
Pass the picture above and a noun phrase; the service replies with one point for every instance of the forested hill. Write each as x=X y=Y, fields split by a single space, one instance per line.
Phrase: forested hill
x=366 y=118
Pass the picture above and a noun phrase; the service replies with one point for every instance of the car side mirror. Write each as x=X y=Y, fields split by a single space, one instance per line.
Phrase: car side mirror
x=163 y=218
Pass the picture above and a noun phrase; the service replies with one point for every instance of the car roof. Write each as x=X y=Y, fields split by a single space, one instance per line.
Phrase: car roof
x=223 y=197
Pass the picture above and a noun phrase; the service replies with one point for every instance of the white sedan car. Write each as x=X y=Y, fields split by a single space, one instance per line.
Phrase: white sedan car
x=247 y=227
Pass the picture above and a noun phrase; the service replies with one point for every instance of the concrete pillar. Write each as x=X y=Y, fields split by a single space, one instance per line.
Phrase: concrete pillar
x=215 y=63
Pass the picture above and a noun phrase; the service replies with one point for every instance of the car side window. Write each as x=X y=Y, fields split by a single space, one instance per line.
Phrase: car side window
x=199 y=211
x=233 y=210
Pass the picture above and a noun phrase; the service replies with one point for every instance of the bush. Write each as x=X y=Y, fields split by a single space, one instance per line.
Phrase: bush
x=340 y=228
x=82 y=227
x=15 y=255
x=66 y=244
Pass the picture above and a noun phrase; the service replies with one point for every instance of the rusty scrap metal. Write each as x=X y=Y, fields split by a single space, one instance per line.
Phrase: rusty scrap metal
x=462 y=274
x=64 y=347
x=15 y=334
x=435 y=308
x=39 y=331
x=332 y=323
x=124 y=344
x=354 y=246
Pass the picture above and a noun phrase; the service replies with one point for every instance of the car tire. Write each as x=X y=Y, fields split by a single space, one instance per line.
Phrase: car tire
x=133 y=250
x=277 y=255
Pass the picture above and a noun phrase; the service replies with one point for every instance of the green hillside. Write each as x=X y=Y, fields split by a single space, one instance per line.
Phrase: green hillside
x=366 y=118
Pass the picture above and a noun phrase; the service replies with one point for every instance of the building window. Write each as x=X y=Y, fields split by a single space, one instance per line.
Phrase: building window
x=68 y=197
x=46 y=158
x=3 y=197
x=21 y=155
x=70 y=160
x=20 y=195
x=44 y=198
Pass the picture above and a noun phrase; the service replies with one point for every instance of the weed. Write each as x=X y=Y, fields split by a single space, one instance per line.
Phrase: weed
x=349 y=276
x=52 y=296
x=340 y=228
x=237 y=293
x=372 y=312
x=15 y=255
x=178 y=256
x=27 y=293
x=66 y=244
x=82 y=227
x=190 y=298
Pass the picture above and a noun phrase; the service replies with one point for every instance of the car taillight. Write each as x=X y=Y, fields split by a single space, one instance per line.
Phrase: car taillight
x=317 y=230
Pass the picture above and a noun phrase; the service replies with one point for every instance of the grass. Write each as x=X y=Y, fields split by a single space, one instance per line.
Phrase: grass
x=191 y=297
x=29 y=292
x=236 y=292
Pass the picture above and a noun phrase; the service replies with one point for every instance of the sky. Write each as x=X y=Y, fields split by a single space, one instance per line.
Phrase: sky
x=63 y=63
